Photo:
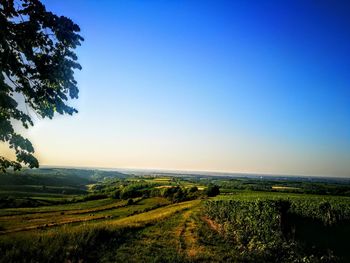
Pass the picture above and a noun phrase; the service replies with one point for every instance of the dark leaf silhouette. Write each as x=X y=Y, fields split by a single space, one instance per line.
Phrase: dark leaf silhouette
x=37 y=61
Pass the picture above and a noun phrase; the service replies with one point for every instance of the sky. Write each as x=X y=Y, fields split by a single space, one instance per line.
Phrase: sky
x=230 y=86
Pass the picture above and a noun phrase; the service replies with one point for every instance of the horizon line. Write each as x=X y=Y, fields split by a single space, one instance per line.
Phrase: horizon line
x=196 y=172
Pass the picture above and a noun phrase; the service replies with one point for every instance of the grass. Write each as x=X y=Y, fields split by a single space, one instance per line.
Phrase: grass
x=182 y=237
x=7 y=193
x=117 y=209
x=108 y=230
x=15 y=223
x=158 y=240
x=100 y=238
x=57 y=208
x=172 y=233
x=155 y=243
x=153 y=215
x=279 y=187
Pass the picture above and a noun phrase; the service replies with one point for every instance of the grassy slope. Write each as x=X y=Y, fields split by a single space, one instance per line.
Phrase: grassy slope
x=56 y=208
x=114 y=232
x=88 y=211
x=182 y=237
x=72 y=242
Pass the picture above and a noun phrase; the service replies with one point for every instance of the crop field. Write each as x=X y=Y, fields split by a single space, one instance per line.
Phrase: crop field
x=254 y=195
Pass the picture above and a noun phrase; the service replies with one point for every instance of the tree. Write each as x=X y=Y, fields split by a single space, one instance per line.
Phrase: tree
x=212 y=190
x=37 y=62
x=193 y=189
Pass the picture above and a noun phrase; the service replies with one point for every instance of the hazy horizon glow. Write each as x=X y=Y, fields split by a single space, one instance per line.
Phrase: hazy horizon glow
x=233 y=86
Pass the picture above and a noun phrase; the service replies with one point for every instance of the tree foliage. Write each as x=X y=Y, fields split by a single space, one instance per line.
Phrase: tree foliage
x=212 y=190
x=37 y=62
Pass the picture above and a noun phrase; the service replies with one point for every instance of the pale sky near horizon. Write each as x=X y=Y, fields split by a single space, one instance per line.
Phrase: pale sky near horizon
x=234 y=86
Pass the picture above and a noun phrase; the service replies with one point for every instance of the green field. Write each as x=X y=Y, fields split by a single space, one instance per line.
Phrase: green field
x=129 y=218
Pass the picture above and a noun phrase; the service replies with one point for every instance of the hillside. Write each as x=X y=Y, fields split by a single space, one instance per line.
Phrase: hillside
x=148 y=218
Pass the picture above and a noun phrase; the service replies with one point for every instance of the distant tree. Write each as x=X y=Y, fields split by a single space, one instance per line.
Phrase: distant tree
x=178 y=196
x=212 y=190
x=116 y=194
x=37 y=62
x=193 y=189
x=169 y=192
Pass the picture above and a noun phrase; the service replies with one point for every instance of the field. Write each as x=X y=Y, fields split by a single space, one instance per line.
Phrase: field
x=147 y=218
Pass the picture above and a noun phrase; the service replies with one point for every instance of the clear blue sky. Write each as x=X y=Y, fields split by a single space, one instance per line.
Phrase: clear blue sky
x=241 y=86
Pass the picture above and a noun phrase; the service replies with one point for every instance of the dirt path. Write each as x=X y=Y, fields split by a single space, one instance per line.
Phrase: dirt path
x=162 y=241
x=188 y=240
x=211 y=224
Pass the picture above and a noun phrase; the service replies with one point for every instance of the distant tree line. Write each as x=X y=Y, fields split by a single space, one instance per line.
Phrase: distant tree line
x=173 y=193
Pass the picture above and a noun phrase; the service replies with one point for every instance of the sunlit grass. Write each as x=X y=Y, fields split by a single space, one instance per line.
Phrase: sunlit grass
x=117 y=209
x=56 y=208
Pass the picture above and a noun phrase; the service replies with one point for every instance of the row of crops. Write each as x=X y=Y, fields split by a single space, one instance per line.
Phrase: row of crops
x=246 y=221
x=329 y=212
x=267 y=227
